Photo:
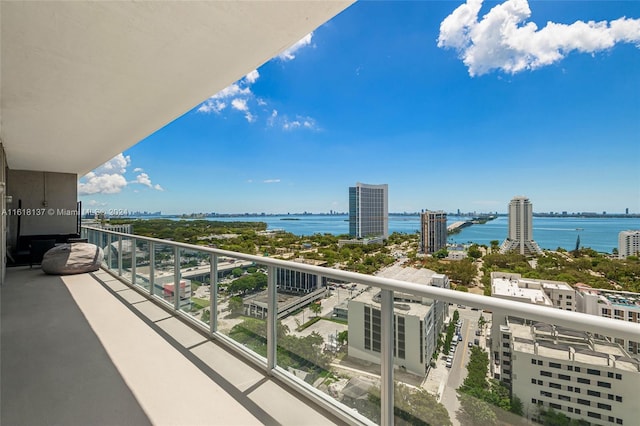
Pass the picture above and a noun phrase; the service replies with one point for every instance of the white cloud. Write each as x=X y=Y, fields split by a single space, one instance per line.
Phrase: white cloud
x=239 y=104
x=289 y=54
x=299 y=122
x=212 y=105
x=143 y=179
x=109 y=178
x=252 y=77
x=503 y=39
x=271 y=181
x=117 y=164
x=138 y=169
x=94 y=203
x=231 y=91
x=101 y=184
x=250 y=117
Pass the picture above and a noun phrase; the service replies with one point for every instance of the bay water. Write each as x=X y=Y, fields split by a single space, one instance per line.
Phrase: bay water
x=600 y=234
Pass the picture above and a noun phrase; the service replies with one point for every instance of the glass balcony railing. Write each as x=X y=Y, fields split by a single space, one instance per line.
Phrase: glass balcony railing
x=376 y=350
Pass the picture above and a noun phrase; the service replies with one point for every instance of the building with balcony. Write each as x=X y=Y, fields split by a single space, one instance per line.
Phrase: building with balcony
x=369 y=211
x=628 y=244
x=520 y=236
x=433 y=231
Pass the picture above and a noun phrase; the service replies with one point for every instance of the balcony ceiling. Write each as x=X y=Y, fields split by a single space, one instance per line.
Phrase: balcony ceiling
x=83 y=81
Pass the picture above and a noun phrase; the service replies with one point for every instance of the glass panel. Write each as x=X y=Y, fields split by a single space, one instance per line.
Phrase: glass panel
x=127 y=257
x=105 y=242
x=164 y=272
x=195 y=272
x=242 y=306
x=142 y=264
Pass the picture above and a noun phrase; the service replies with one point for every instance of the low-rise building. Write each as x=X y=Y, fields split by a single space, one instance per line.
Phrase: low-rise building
x=570 y=372
x=417 y=323
x=620 y=305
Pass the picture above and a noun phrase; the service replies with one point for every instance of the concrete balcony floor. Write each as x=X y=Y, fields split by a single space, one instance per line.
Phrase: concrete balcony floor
x=88 y=350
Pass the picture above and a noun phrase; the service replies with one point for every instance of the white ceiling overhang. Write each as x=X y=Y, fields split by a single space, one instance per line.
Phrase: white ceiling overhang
x=83 y=81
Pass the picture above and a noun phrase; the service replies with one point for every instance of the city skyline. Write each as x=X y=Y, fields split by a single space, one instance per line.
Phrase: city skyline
x=395 y=93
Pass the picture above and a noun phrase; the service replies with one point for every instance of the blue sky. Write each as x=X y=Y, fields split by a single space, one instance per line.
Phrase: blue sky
x=454 y=105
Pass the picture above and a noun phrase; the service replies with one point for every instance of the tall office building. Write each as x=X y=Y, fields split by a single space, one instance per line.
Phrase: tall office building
x=433 y=231
x=520 y=238
x=628 y=244
x=369 y=211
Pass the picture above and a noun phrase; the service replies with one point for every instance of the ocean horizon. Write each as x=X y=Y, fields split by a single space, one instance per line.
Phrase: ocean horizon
x=598 y=233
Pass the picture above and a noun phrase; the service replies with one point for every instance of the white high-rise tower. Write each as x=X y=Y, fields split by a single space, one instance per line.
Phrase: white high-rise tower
x=520 y=238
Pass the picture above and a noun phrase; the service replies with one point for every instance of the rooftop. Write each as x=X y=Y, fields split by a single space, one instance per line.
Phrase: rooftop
x=566 y=343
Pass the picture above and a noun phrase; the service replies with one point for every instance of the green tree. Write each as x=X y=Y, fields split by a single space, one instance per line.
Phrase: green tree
x=441 y=254
x=316 y=308
x=343 y=337
x=475 y=412
x=495 y=245
x=414 y=407
x=237 y=272
x=474 y=252
x=236 y=305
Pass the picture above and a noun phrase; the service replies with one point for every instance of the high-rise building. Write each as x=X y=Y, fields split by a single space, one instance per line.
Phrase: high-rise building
x=433 y=231
x=369 y=211
x=628 y=244
x=520 y=238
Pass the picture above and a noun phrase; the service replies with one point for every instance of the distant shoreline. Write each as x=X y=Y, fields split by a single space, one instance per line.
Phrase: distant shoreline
x=589 y=215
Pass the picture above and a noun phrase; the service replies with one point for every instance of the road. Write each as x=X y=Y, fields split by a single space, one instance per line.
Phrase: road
x=458 y=371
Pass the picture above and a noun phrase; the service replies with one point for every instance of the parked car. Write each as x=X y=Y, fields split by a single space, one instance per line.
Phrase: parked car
x=476 y=342
x=470 y=344
x=477 y=332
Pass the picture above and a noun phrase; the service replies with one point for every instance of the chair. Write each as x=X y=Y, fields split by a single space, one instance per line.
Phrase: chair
x=37 y=249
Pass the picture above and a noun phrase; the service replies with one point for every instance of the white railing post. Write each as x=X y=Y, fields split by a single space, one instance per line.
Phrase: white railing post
x=119 y=255
x=109 y=252
x=133 y=261
x=272 y=316
x=213 y=294
x=176 y=278
x=152 y=267
x=386 y=361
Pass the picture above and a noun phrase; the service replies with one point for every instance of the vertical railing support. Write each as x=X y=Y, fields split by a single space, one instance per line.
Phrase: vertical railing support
x=108 y=248
x=272 y=316
x=213 y=294
x=119 y=255
x=386 y=361
x=133 y=261
x=176 y=278
x=152 y=267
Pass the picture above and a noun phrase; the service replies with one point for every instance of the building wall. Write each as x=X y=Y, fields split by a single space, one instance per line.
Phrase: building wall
x=50 y=198
x=368 y=210
x=411 y=343
x=433 y=231
x=628 y=244
x=290 y=281
x=536 y=383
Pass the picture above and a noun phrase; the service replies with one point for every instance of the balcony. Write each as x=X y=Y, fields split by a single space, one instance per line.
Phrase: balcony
x=134 y=344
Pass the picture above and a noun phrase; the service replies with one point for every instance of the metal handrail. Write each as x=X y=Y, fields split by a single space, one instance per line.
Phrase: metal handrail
x=592 y=323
